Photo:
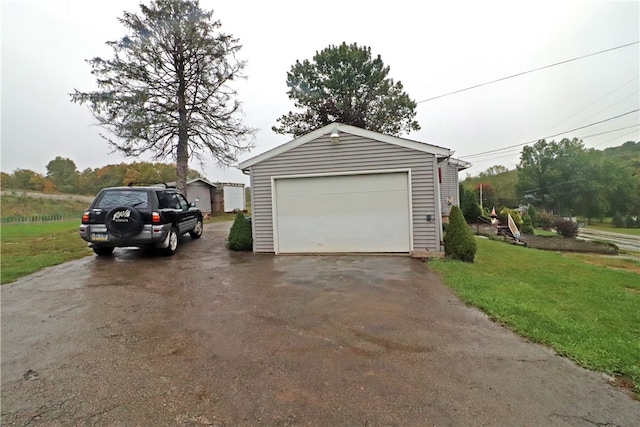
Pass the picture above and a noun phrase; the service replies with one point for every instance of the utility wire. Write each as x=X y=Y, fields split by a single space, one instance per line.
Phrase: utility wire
x=617 y=137
x=527 y=72
x=595 y=102
x=551 y=136
x=610 y=131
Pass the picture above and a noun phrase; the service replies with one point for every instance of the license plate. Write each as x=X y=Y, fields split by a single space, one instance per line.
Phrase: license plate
x=99 y=237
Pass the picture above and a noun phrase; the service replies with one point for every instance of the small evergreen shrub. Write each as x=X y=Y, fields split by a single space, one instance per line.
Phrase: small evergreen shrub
x=618 y=220
x=527 y=225
x=566 y=228
x=240 y=238
x=546 y=221
x=459 y=242
x=533 y=215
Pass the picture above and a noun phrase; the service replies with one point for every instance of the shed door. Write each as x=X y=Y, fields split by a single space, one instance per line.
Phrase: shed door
x=233 y=198
x=347 y=213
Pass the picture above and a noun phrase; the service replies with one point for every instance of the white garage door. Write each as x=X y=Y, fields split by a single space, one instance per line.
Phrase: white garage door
x=347 y=213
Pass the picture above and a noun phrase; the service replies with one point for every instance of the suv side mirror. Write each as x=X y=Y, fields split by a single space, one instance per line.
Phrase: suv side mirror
x=192 y=204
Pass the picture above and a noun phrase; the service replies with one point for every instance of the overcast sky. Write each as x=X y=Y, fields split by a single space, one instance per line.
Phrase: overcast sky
x=432 y=47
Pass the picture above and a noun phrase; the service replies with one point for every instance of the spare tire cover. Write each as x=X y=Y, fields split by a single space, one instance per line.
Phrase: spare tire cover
x=124 y=221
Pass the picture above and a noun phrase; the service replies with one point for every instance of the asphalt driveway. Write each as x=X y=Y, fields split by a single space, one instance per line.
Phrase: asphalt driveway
x=209 y=337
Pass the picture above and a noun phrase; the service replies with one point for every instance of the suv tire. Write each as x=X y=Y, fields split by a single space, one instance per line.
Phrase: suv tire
x=124 y=222
x=172 y=248
x=196 y=233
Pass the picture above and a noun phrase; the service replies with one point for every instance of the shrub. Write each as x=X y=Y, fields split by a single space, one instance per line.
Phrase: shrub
x=240 y=238
x=566 y=228
x=618 y=220
x=515 y=215
x=527 y=225
x=459 y=242
x=546 y=221
x=533 y=215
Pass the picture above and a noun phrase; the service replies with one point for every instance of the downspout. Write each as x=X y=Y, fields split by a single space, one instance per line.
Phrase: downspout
x=438 y=213
x=253 y=223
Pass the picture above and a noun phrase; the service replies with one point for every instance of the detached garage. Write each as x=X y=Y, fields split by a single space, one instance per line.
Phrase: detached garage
x=344 y=189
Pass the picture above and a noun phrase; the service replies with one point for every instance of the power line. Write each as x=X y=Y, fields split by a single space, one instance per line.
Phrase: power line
x=595 y=102
x=617 y=137
x=551 y=136
x=527 y=72
x=610 y=131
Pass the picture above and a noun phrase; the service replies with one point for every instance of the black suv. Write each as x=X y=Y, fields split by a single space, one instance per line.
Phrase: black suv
x=146 y=217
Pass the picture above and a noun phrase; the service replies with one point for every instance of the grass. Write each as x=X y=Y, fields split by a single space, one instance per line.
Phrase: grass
x=32 y=206
x=27 y=248
x=611 y=229
x=586 y=311
x=541 y=232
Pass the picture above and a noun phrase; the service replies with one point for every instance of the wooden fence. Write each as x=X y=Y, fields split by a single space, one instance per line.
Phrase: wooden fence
x=39 y=218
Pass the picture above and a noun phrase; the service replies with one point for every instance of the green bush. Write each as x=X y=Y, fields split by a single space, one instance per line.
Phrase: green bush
x=566 y=227
x=240 y=238
x=459 y=242
x=533 y=215
x=527 y=225
x=515 y=216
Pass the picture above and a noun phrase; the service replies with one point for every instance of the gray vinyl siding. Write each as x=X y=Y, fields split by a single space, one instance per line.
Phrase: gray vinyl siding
x=201 y=191
x=350 y=154
x=449 y=187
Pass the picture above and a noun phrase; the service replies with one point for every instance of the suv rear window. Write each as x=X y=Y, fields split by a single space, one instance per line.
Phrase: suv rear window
x=133 y=198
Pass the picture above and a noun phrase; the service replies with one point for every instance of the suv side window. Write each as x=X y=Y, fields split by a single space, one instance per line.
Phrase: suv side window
x=171 y=200
x=165 y=200
x=182 y=202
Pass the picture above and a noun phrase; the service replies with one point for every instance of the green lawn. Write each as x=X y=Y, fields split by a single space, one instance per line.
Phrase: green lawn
x=587 y=312
x=27 y=248
x=610 y=228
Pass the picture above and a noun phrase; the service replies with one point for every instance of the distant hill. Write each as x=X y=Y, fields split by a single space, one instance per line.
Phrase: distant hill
x=627 y=154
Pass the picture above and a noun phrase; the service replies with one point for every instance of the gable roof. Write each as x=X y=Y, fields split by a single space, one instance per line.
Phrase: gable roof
x=191 y=181
x=353 y=130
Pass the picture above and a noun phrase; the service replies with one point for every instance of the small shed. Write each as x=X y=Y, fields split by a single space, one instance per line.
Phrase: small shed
x=200 y=191
x=343 y=189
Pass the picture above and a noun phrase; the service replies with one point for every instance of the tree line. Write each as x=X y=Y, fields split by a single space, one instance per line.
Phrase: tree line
x=63 y=177
x=564 y=178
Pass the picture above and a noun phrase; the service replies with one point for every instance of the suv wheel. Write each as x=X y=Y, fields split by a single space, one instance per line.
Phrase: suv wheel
x=103 y=250
x=196 y=233
x=173 y=242
x=124 y=222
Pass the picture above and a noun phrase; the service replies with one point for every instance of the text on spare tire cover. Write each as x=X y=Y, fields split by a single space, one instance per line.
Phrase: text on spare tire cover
x=122 y=216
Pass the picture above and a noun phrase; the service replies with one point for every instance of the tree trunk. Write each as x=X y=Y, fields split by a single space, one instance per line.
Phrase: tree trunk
x=182 y=150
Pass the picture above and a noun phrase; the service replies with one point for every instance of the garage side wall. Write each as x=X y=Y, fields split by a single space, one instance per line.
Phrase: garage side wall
x=351 y=153
x=448 y=187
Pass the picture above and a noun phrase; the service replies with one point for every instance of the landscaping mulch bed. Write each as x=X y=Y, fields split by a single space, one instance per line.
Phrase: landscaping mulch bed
x=557 y=243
